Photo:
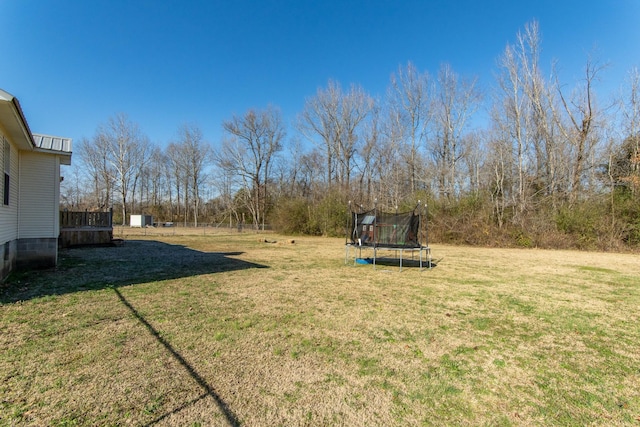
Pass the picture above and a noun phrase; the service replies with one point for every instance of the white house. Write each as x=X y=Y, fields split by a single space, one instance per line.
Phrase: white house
x=30 y=188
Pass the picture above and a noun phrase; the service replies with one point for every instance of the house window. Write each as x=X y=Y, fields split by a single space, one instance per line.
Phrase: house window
x=7 y=170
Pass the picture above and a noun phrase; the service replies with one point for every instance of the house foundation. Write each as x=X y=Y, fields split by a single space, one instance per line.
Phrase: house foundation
x=8 y=251
x=37 y=253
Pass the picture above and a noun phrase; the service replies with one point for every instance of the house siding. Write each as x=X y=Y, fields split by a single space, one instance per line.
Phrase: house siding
x=29 y=208
x=8 y=213
x=38 y=208
x=38 y=218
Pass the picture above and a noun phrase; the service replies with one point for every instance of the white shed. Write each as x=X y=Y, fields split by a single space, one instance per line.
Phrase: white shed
x=141 y=220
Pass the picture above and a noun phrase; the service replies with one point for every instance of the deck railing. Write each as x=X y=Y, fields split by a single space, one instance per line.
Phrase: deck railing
x=86 y=219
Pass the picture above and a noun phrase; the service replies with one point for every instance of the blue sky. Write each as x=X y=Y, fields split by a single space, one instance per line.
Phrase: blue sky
x=74 y=63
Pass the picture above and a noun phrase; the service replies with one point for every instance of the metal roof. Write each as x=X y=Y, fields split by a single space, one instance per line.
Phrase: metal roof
x=52 y=143
x=13 y=120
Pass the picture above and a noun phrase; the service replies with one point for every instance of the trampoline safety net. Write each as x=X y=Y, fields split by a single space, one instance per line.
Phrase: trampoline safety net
x=391 y=230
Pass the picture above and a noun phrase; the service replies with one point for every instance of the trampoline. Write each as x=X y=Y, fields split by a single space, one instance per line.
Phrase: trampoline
x=400 y=232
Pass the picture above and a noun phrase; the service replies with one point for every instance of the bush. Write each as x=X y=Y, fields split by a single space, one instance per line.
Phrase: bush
x=331 y=215
x=327 y=217
x=293 y=216
x=592 y=223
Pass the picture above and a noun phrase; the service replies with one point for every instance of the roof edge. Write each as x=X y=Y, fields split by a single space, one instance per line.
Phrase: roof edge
x=17 y=109
x=23 y=119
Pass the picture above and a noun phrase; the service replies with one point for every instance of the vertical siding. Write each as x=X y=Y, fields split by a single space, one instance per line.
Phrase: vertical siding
x=9 y=214
x=38 y=205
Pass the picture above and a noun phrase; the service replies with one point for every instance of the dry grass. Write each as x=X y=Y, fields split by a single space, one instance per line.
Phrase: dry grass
x=229 y=330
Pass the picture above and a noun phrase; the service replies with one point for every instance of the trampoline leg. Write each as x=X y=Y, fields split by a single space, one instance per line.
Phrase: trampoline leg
x=401 y=252
x=374 y=257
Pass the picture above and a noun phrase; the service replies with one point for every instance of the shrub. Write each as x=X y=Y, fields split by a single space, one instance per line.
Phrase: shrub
x=331 y=215
x=327 y=217
x=293 y=216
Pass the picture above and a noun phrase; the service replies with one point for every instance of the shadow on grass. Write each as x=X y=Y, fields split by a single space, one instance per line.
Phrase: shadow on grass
x=209 y=391
x=395 y=262
x=137 y=261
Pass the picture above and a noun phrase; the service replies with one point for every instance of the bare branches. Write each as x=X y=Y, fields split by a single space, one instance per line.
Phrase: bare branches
x=254 y=140
x=335 y=118
x=581 y=112
x=410 y=104
x=539 y=153
x=457 y=99
x=124 y=148
x=189 y=156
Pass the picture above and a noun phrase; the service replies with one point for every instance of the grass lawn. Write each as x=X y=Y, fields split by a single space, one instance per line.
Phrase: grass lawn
x=229 y=330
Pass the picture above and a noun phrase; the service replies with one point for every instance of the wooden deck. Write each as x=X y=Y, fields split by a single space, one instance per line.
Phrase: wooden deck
x=85 y=228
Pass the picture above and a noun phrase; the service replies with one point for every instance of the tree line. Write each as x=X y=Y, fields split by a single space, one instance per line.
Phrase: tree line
x=552 y=165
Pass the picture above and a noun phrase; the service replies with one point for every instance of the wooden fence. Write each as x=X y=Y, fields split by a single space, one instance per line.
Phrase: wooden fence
x=86 y=219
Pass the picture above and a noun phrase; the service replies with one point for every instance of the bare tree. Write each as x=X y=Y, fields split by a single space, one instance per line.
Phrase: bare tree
x=191 y=155
x=141 y=155
x=390 y=177
x=311 y=173
x=94 y=158
x=224 y=182
x=335 y=117
x=177 y=178
x=72 y=191
x=473 y=159
x=372 y=141
x=524 y=114
x=513 y=114
x=410 y=104
x=580 y=123
x=126 y=150
x=156 y=174
x=290 y=175
x=631 y=124
x=539 y=99
x=254 y=140
x=511 y=117
x=317 y=120
x=355 y=107
x=499 y=169
x=457 y=99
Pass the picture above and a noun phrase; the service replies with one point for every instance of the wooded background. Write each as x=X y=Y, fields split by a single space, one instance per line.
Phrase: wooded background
x=528 y=161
